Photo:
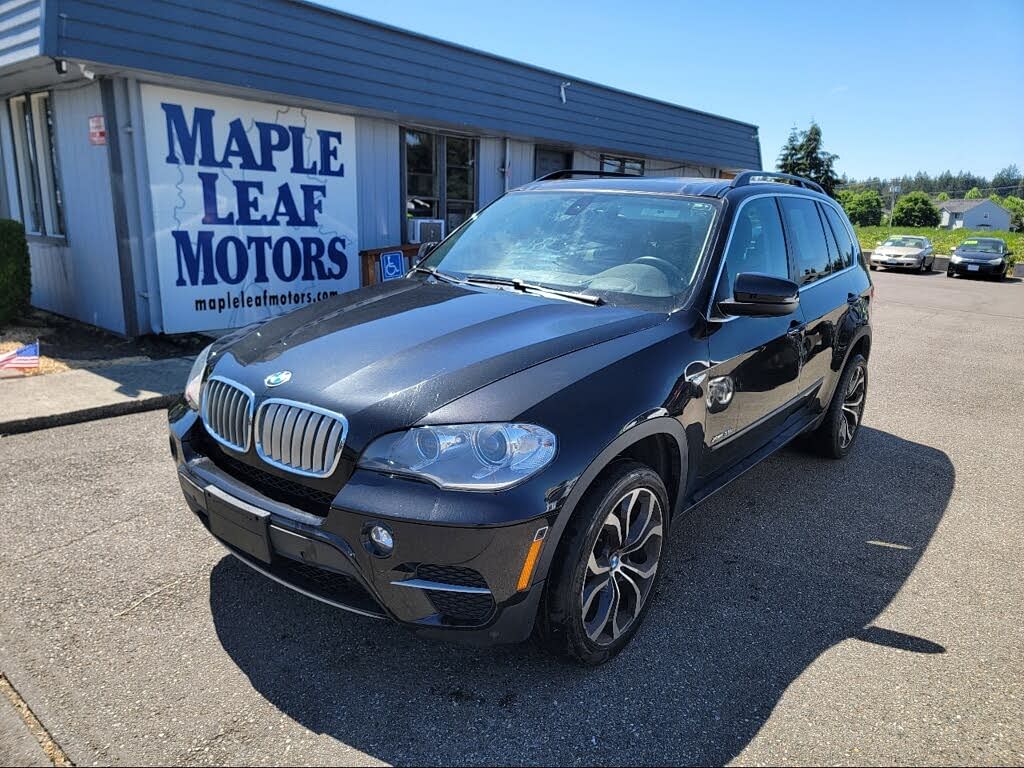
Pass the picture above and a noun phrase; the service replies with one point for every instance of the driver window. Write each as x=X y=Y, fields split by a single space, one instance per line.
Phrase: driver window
x=755 y=245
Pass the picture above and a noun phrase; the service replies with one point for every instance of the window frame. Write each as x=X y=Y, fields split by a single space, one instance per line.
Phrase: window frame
x=36 y=164
x=440 y=149
x=621 y=160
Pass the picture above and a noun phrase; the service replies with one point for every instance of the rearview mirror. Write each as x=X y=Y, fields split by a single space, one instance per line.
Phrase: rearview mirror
x=758 y=295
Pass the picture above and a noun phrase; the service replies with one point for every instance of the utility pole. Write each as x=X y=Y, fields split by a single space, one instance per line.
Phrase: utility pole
x=894 y=189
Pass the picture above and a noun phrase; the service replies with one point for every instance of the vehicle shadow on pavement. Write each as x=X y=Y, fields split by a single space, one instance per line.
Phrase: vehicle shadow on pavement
x=798 y=555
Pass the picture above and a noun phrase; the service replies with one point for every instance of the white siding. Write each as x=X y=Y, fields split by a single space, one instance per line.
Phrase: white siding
x=490 y=160
x=378 y=177
x=988 y=215
x=81 y=278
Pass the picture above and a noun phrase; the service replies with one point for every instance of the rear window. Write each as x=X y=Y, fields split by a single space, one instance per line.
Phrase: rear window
x=806 y=238
x=847 y=249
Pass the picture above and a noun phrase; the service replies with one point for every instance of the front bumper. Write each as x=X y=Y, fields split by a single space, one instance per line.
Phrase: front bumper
x=904 y=262
x=441 y=580
x=976 y=268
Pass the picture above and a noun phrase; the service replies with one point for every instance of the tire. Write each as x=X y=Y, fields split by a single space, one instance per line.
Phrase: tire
x=569 y=621
x=873 y=267
x=949 y=273
x=833 y=438
x=926 y=266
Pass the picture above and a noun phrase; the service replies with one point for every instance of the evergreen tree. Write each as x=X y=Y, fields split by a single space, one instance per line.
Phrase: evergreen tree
x=803 y=155
x=789 y=158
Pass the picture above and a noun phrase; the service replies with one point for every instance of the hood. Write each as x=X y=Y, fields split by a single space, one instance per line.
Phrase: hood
x=388 y=355
x=893 y=250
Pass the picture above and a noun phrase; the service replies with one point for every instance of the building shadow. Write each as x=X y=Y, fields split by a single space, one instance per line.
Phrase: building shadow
x=799 y=554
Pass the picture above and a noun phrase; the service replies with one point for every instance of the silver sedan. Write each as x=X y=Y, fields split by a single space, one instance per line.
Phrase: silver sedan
x=905 y=252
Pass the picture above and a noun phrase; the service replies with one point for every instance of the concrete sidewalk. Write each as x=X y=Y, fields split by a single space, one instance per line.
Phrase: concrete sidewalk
x=96 y=392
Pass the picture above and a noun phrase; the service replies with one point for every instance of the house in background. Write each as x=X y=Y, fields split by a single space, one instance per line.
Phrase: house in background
x=973 y=214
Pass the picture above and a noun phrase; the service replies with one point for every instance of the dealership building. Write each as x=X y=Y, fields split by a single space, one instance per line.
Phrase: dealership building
x=183 y=165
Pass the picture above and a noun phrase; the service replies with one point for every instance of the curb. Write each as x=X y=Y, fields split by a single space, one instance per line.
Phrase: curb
x=35 y=423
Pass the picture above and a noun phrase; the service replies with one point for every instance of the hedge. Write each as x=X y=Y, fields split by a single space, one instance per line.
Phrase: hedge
x=15 y=272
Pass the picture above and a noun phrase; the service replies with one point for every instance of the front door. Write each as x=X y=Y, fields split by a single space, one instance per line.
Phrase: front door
x=755 y=361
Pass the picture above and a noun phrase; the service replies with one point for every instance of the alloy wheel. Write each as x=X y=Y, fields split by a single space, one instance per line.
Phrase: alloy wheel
x=853 y=406
x=622 y=566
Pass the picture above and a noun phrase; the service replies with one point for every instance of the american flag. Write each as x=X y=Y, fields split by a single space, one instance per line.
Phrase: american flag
x=26 y=357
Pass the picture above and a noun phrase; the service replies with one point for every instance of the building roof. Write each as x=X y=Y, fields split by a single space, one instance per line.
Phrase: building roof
x=322 y=55
x=961 y=205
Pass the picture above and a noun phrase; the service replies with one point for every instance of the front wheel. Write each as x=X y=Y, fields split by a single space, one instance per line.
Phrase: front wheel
x=835 y=435
x=949 y=273
x=873 y=267
x=607 y=565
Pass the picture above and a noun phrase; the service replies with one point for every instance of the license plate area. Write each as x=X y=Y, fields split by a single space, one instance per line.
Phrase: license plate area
x=972 y=267
x=893 y=262
x=239 y=524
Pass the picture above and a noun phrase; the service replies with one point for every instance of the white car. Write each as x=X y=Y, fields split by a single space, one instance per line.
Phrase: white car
x=904 y=251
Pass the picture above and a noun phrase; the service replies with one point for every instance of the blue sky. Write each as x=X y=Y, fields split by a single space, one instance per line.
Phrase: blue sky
x=897 y=87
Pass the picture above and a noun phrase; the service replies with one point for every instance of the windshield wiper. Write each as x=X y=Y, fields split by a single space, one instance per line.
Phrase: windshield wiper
x=519 y=285
x=432 y=271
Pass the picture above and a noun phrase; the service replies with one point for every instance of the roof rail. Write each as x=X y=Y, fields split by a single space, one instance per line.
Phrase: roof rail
x=568 y=173
x=743 y=178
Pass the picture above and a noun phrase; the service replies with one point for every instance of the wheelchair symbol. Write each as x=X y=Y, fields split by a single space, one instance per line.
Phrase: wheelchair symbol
x=392 y=265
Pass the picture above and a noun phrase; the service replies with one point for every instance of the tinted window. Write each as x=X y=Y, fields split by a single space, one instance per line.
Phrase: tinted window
x=807 y=238
x=755 y=245
x=847 y=250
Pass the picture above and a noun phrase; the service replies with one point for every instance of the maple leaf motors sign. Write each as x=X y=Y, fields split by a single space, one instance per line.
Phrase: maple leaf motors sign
x=254 y=207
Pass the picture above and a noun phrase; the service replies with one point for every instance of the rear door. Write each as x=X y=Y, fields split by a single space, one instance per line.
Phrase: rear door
x=825 y=291
x=755 y=361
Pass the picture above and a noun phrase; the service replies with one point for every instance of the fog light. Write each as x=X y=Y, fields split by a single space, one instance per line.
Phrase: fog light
x=382 y=540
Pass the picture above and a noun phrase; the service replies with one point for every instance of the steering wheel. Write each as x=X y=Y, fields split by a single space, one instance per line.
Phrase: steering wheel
x=667 y=268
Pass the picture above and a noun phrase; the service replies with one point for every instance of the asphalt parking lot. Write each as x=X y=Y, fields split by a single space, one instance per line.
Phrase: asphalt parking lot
x=867 y=611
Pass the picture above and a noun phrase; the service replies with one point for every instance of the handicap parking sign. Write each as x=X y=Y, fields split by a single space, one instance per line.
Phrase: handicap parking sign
x=392 y=265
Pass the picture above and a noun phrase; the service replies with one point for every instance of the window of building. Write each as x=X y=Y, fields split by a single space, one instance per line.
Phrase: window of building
x=628 y=165
x=440 y=179
x=35 y=161
x=806 y=238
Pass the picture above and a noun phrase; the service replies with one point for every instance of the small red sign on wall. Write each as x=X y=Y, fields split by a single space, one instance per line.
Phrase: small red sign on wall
x=97 y=130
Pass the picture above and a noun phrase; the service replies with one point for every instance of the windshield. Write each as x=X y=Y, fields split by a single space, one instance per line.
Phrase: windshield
x=983 y=245
x=628 y=248
x=904 y=242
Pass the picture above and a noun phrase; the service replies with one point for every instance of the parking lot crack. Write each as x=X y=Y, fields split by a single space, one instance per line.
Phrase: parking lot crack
x=50 y=748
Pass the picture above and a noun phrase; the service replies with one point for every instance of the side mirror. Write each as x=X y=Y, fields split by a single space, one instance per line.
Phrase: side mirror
x=423 y=252
x=757 y=295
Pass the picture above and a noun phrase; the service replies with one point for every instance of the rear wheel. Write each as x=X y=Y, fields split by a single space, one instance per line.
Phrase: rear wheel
x=607 y=566
x=835 y=435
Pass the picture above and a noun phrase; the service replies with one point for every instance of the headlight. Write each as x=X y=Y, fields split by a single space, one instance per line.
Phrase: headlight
x=996 y=261
x=194 y=383
x=472 y=457
x=956 y=259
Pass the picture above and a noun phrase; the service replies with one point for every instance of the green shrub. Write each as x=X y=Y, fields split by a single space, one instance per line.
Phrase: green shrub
x=915 y=210
x=863 y=208
x=973 y=194
x=15 y=272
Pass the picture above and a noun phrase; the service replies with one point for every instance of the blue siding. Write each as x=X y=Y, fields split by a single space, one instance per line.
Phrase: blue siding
x=20 y=23
x=292 y=48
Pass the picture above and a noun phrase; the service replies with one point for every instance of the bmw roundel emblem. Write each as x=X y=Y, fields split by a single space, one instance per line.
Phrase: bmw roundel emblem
x=277 y=379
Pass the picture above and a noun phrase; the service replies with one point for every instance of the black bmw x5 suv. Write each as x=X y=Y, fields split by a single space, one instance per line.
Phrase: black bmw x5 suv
x=498 y=444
